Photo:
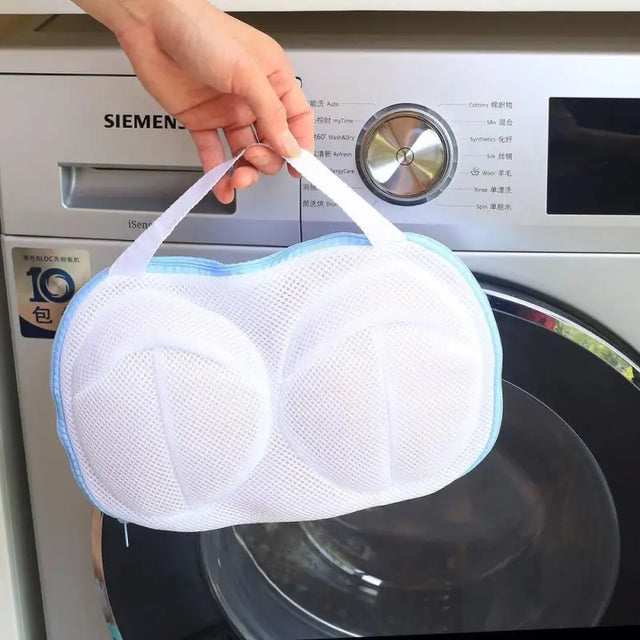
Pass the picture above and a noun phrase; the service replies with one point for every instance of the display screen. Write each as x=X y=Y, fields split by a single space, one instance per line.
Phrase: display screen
x=594 y=156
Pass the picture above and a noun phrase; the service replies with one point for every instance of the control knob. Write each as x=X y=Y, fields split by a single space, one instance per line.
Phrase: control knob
x=406 y=154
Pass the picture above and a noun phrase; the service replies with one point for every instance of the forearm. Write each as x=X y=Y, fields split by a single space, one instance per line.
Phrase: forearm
x=116 y=15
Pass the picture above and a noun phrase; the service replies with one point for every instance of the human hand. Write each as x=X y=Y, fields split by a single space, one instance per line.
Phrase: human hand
x=216 y=75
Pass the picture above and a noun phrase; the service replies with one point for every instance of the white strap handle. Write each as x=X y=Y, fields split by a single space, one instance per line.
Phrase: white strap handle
x=135 y=259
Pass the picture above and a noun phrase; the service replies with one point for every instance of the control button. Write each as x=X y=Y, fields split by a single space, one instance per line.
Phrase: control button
x=406 y=154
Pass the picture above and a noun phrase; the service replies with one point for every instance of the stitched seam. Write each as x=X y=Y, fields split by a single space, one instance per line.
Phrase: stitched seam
x=389 y=401
x=165 y=416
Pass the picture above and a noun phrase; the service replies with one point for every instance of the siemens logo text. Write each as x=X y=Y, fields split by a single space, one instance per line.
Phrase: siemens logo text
x=140 y=121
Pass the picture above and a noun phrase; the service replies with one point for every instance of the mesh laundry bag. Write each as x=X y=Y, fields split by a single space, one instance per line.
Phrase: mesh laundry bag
x=339 y=374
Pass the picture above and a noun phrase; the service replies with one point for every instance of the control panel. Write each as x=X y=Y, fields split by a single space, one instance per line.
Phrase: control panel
x=483 y=148
x=434 y=166
x=480 y=150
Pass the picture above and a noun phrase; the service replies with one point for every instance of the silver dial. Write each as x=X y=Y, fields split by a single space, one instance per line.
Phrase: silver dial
x=406 y=154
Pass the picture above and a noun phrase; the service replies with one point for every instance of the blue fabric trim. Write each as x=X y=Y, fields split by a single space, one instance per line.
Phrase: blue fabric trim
x=480 y=295
x=61 y=423
x=206 y=266
x=113 y=631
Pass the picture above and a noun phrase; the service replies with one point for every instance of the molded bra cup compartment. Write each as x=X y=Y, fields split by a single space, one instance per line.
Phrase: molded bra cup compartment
x=159 y=361
x=406 y=413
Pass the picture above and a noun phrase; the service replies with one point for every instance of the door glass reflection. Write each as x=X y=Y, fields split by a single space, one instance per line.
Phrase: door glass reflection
x=528 y=539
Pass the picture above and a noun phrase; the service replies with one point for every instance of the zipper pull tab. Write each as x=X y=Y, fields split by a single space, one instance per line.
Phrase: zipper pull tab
x=125 y=526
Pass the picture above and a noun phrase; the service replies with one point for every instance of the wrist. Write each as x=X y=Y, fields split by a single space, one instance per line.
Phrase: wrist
x=117 y=15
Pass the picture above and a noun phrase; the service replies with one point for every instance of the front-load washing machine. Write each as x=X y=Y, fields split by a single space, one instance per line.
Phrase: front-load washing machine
x=513 y=140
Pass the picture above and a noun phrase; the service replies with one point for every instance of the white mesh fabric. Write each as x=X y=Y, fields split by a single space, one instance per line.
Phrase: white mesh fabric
x=140 y=391
x=352 y=368
x=331 y=381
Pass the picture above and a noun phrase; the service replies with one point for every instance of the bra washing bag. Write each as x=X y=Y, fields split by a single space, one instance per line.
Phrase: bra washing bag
x=339 y=374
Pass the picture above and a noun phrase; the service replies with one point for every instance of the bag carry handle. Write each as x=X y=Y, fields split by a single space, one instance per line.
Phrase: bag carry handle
x=136 y=257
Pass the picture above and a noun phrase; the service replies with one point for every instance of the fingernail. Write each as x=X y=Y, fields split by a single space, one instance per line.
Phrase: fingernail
x=290 y=145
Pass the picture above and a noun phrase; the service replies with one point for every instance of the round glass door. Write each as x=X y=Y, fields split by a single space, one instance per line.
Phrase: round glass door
x=528 y=539
x=542 y=534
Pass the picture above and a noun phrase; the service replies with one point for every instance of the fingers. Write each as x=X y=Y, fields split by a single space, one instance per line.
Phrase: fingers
x=212 y=153
x=300 y=121
x=218 y=110
x=244 y=177
x=250 y=82
x=299 y=115
x=258 y=158
x=238 y=138
x=209 y=147
x=266 y=160
x=299 y=112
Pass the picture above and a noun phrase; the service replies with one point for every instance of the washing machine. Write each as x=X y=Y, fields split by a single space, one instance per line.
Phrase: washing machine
x=514 y=140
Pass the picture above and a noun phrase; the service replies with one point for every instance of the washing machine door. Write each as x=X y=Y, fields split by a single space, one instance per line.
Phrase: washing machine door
x=542 y=534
